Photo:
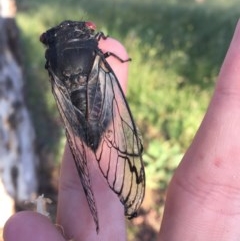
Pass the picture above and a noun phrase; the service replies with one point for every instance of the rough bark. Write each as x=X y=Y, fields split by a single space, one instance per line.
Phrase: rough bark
x=18 y=159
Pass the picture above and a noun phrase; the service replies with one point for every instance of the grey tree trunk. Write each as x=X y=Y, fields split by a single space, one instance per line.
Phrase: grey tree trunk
x=18 y=159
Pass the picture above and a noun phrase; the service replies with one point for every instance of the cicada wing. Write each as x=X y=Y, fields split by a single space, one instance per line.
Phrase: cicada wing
x=120 y=151
x=72 y=125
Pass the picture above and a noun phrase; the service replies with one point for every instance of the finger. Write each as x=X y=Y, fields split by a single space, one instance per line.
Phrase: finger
x=28 y=226
x=73 y=210
x=120 y=69
x=203 y=200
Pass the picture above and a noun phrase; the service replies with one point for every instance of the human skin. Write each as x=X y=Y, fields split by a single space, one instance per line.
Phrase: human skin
x=203 y=201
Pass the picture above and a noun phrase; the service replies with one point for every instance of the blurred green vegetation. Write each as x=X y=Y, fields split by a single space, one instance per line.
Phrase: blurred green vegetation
x=177 y=48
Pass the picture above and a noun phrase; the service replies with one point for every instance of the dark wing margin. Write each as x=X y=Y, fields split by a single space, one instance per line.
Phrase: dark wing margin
x=119 y=154
x=76 y=145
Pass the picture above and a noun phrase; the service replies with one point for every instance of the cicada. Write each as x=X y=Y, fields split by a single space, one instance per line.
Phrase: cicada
x=95 y=112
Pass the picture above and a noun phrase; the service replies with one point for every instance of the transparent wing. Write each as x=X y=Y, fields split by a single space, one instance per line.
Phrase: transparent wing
x=119 y=154
x=73 y=127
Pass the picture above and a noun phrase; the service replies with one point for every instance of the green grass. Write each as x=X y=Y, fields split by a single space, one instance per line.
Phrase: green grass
x=177 y=49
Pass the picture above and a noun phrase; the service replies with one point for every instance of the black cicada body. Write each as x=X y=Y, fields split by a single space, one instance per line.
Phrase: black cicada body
x=95 y=112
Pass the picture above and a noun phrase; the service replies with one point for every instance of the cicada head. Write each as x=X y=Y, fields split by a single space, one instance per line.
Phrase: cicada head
x=68 y=31
x=71 y=47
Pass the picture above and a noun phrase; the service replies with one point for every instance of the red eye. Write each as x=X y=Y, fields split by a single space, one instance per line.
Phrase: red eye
x=91 y=25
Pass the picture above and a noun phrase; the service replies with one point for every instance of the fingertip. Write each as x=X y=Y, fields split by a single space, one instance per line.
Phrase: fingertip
x=237 y=32
x=27 y=225
x=228 y=80
x=120 y=69
x=113 y=45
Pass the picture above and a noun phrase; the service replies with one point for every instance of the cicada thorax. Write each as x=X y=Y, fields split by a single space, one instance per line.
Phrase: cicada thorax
x=84 y=88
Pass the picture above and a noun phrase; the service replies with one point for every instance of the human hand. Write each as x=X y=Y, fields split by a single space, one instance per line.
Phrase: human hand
x=204 y=195
x=203 y=201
